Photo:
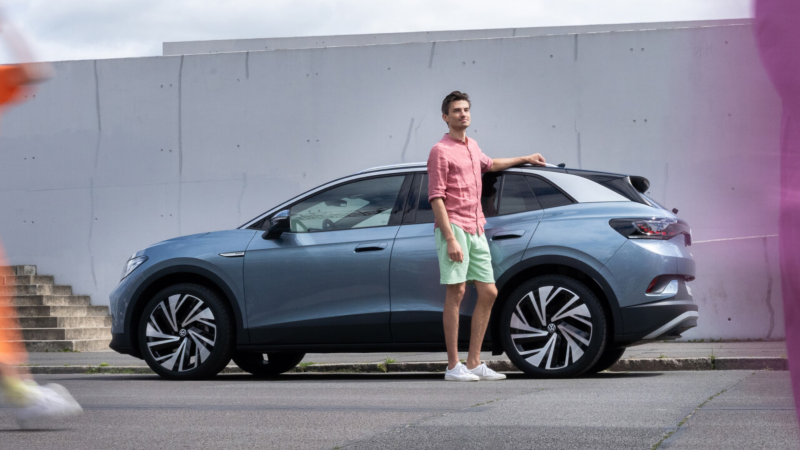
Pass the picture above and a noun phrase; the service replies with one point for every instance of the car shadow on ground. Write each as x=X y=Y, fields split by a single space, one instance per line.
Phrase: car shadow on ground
x=399 y=377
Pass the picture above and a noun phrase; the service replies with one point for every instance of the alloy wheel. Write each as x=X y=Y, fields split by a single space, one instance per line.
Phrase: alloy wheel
x=551 y=327
x=181 y=332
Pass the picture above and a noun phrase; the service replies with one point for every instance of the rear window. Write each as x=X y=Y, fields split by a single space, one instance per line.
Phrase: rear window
x=547 y=194
x=618 y=184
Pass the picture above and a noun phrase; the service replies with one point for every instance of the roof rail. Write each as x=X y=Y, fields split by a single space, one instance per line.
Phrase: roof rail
x=395 y=166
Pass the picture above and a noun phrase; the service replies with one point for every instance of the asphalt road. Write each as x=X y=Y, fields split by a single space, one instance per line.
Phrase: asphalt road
x=716 y=409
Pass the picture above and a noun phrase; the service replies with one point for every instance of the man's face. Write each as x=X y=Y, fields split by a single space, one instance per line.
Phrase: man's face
x=459 y=117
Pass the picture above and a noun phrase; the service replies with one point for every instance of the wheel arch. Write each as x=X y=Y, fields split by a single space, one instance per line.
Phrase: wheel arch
x=553 y=265
x=175 y=275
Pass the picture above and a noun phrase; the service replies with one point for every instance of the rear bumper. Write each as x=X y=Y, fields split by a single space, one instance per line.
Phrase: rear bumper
x=660 y=320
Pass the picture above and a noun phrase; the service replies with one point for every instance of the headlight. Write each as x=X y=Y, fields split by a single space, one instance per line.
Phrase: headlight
x=132 y=264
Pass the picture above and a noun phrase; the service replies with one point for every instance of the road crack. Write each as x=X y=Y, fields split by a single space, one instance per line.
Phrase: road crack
x=689 y=416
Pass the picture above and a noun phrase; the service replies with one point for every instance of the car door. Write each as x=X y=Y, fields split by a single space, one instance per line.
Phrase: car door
x=417 y=297
x=327 y=280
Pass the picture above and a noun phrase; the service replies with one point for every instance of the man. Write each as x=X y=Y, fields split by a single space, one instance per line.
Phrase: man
x=455 y=166
x=34 y=404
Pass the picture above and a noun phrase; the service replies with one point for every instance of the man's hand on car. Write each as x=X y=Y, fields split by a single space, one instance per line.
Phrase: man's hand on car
x=535 y=159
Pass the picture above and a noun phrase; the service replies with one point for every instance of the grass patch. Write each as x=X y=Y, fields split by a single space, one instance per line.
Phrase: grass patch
x=102 y=369
x=384 y=366
x=103 y=364
x=662 y=356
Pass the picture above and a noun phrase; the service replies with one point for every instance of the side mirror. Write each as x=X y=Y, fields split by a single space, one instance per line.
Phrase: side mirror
x=278 y=225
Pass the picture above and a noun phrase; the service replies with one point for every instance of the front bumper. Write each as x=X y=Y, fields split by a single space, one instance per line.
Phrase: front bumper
x=121 y=343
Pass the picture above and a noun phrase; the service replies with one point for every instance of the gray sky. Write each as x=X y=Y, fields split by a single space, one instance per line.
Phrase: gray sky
x=91 y=29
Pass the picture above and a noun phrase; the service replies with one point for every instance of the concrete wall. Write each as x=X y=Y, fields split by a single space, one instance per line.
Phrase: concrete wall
x=114 y=155
x=287 y=43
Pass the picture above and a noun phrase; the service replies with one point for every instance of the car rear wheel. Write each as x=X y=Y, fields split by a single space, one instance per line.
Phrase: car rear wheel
x=186 y=333
x=609 y=357
x=273 y=365
x=553 y=326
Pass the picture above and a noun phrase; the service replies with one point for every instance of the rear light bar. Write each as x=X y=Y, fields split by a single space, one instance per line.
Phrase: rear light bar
x=655 y=228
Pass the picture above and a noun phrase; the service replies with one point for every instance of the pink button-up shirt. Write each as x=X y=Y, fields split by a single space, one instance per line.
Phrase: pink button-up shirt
x=454 y=174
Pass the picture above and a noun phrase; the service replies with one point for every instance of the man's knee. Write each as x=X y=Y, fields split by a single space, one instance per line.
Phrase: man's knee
x=455 y=293
x=488 y=292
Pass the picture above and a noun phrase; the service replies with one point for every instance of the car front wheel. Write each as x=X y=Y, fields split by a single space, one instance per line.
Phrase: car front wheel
x=553 y=326
x=186 y=333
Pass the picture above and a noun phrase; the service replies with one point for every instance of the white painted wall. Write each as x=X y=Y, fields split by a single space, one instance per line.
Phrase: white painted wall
x=298 y=42
x=113 y=155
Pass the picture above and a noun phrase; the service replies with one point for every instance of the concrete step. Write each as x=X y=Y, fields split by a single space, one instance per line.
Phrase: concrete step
x=56 y=311
x=82 y=345
x=65 y=322
x=38 y=289
x=28 y=279
x=60 y=334
x=20 y=270
x=46 y=300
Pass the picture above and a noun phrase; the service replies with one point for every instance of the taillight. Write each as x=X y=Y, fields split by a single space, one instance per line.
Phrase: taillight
x=655 y=228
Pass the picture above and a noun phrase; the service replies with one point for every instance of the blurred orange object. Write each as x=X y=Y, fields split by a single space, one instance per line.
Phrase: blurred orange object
x=12 y=83
x=12 y=351
x=12 y=79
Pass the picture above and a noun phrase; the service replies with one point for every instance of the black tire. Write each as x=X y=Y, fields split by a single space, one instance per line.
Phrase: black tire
x=609 y=357
x=274 y=365
x=547 y=350
x=193 y=350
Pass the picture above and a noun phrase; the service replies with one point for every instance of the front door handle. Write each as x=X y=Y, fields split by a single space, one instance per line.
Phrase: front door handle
x=503 y=235
x=372 y=247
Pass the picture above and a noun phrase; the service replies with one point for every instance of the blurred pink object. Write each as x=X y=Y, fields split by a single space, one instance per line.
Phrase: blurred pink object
x=777 y=29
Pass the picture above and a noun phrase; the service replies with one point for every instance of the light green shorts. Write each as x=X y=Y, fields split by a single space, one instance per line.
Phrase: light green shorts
x=477 y=263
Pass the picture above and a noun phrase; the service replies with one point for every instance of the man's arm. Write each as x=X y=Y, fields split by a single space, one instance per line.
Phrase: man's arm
x=499 y=164
x=440 y=213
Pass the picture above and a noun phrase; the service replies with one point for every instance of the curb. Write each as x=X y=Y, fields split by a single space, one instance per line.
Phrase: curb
x=624 y=365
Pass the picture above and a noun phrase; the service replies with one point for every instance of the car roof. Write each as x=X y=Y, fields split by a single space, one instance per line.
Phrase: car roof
x=423 y=165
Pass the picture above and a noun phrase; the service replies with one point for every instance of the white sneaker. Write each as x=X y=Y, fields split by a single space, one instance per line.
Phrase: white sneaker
x=53 y=402
x=459 y=373
x=485 y=373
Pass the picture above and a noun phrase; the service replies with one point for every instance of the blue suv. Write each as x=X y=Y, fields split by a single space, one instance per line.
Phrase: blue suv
x=586 y=265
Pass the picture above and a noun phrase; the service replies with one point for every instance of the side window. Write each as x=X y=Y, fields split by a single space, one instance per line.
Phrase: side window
x=547 y=194
x=517 y=196
x=424 y=209
x=359 y=204
x=489 y=198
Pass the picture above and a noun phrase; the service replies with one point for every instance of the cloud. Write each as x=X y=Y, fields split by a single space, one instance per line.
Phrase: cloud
x=91 y=29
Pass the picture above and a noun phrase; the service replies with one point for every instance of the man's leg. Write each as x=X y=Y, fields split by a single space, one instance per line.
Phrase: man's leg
x=452 y=303
x=487 y=293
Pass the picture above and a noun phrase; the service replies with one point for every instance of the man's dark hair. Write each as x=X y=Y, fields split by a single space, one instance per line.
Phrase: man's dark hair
x=453 y=97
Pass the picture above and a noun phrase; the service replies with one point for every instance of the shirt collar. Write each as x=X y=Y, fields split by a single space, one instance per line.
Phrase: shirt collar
x=449 y=138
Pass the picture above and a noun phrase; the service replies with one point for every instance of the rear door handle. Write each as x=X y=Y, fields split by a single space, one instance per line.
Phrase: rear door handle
x=372 y=247
x=503 y=235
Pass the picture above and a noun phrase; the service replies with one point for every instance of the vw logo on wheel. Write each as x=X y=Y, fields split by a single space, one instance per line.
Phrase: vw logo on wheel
x=182 y=333
x=551 y=328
